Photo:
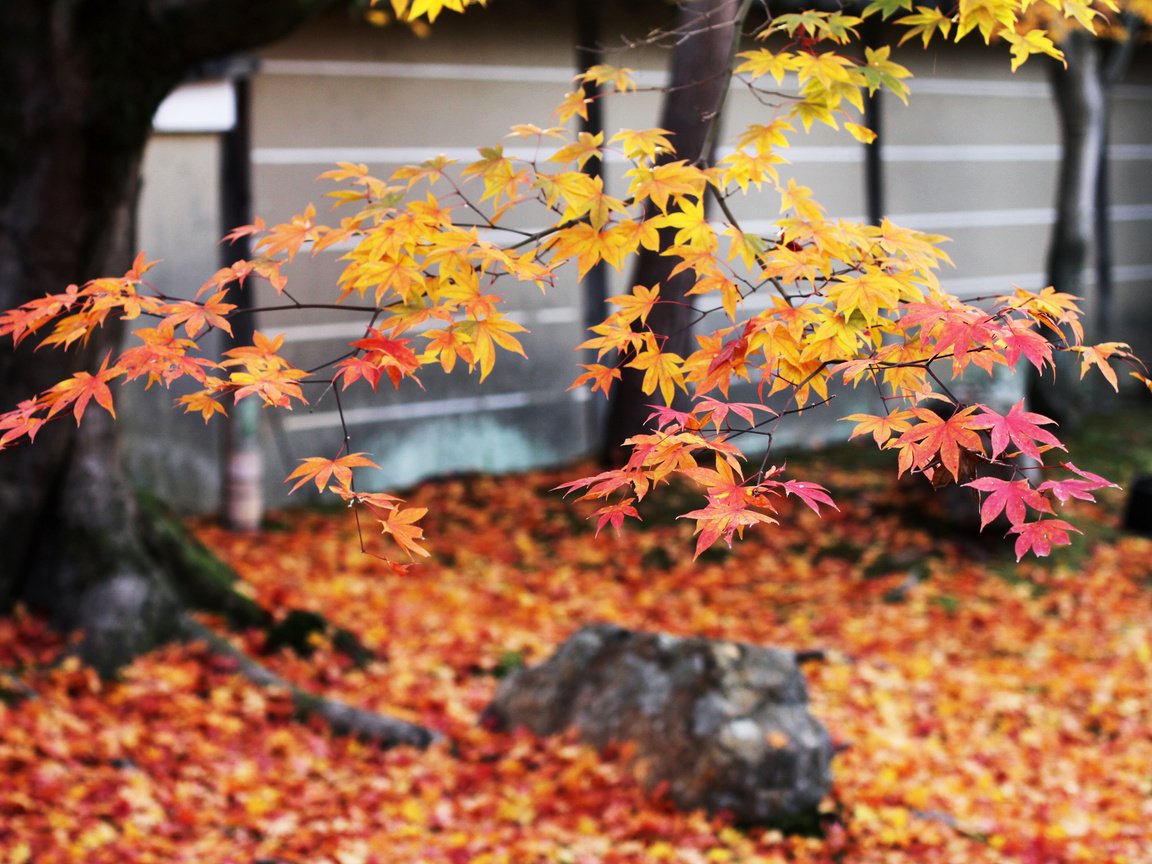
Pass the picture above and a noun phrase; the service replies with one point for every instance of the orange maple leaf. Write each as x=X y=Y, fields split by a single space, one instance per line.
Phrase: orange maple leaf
x=81 y=388
x=935 y=437
x=401 y=524
x=600 y=376
x=321 y=471
x=638 y=304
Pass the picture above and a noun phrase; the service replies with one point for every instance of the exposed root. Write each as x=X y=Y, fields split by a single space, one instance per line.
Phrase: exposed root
x=342 y=718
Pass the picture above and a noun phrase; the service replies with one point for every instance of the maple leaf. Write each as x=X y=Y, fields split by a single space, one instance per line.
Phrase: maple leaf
x=812 y=494
x=321 y=471
x=644 y=144
x=1064 y=490
x=1020 y=427
x=614 y=514
x=723 y=519
x=1039 y=537
x=585 y=147
x=1098 y=356
x=620 y=77
x=162 y=357
x=488 y=333
x=691 y=223
x=202 y=402
x=21 y=421
x=410 y=10
x=197 y=316
x=289 y=237
x=603 y=484
x=925 y=23
x=1010 y=497
x=81 y=388
x=881 y=428
x=868 y=292
x=601 y=377
x=662 y=369
x=446 y=346
x=666 y=416
x=718 y=411
x=761 y=62
x=401 y=525
x=390 y=356
x=677 y=181
x=935 y=437
x=575 y=104
x=1021 y=339
x=638 y=304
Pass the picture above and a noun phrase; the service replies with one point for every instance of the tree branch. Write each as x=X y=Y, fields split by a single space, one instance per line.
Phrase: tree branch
x=201 y=30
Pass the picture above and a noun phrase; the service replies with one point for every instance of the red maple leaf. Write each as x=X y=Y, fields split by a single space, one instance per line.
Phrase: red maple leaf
x=22 y=420
x=812 y=494
x=666 y=416
x=1020 y=427
x=1082 y=489
x=1021 y=340
x=1010 y=497
x=722 y=519
x=1039 y=537
x=613 y=514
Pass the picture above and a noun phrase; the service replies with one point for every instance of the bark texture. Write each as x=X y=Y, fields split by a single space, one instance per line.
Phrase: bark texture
x=725 y=725
x=701 y=61
x=1080 y=250
x=79 y=83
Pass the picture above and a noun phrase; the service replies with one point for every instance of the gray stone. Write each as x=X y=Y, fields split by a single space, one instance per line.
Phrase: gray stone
x=725 y=725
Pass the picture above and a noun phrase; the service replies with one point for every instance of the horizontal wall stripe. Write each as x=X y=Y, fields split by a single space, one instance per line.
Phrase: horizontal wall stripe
x=1005 y=88
x=419 y=71
x=892 y=153
x=1132 y=272
x=432 y=408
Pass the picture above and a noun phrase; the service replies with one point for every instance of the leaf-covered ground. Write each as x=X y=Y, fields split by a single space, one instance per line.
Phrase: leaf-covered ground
x=990 y=712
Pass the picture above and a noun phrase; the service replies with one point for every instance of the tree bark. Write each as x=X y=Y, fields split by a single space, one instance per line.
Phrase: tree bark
x=1081 y=108
x=700 y=66
x=79 y=83
x=1081 y=238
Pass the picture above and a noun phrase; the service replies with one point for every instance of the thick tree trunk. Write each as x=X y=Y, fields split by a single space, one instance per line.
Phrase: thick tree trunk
x=79 y=83
x=700 y=65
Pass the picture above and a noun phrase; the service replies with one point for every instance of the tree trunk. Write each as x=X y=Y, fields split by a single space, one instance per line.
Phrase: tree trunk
x=1081 y=107
x=79 y=83
x=1081 y=239
x=699 y=76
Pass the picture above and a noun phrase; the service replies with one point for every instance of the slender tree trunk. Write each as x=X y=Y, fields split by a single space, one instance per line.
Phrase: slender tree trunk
x=699 y=75
x=1081 y=107
x=79 y=83
x=1081 y=239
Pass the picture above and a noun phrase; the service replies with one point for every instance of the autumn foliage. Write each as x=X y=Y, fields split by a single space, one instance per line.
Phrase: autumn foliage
x=988 y=712
x=839 y=303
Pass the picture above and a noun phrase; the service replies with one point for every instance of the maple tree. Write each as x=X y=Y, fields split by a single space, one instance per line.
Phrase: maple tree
x=847 y=304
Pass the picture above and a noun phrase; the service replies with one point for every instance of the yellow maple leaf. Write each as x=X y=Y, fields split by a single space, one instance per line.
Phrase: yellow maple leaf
x=662 y=369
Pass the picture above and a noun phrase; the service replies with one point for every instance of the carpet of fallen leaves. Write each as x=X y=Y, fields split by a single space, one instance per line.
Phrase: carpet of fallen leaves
x=989 y=711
